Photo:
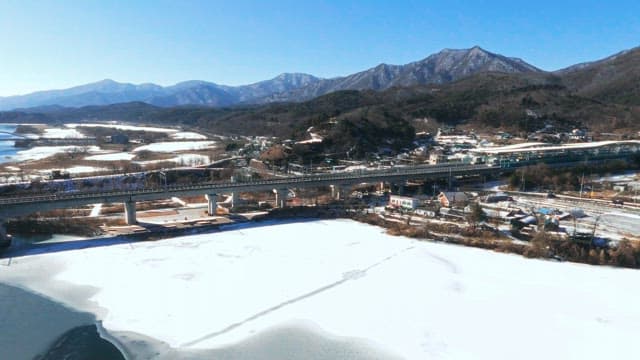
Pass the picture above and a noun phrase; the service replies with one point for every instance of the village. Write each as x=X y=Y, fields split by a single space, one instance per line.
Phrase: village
x=594 y=207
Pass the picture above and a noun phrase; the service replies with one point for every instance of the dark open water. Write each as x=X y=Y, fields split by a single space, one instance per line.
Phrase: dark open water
x=35 y=327
x=6 y=147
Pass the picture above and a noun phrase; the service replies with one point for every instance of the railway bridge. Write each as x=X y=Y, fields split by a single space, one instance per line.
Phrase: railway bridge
x=23 y=205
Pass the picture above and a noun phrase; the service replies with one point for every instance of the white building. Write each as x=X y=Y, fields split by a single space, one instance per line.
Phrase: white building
x=406 y=202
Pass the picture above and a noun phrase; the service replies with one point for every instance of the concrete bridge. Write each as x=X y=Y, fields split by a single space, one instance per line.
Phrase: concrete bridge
x=23 y=205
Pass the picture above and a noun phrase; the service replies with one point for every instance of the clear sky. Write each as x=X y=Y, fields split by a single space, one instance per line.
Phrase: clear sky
x=62 y=43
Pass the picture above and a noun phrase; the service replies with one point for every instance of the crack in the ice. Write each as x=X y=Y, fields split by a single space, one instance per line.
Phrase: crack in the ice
x=350 y=275
x=453 y=267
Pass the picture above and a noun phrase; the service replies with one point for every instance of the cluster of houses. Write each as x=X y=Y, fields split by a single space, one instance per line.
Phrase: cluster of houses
x=497 y=207
x=551 y=134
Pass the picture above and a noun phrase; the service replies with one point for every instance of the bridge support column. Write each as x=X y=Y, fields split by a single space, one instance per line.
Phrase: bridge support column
x=212 y=200
x=130 y=212
x=281 y=197
x=339 y=192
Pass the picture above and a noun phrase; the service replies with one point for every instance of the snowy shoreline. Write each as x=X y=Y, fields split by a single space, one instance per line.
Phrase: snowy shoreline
x=216 y=291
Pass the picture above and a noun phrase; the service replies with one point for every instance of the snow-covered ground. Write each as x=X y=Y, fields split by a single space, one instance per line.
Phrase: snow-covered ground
x=181 y=160
x=188 y=135
x=111 y=157
x=176 y=146
x=62 y=133
x=624 y=177
x=607 y=221
x=418 y=300
x=41 y=152
x=125 y=127
x=75 y=170
x=95 y=211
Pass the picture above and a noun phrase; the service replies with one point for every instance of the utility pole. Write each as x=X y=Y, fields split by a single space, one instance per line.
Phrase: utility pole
x=595 y=224
x=581 y=184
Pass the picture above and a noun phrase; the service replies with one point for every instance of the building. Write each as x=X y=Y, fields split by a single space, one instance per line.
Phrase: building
x=406 y=202
x=633 y=186
x=578 y=134
x=437 y=157
x=448 y=198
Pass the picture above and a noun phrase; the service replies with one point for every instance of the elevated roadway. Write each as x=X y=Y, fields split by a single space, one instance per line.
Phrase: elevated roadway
x=26 y=204
x=22 y=205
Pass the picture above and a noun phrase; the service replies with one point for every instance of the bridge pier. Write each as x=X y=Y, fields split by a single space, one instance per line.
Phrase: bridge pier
x=212 y=200
x=130 y=212
x=334 y=190
x=338 y=192
x=233 y=199
x=281 y=197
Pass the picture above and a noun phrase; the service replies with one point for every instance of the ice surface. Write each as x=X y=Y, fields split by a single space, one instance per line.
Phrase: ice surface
x=420 y=300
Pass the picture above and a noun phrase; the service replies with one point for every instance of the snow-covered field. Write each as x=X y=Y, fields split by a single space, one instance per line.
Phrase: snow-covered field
x=418 y=300
x=75 y=170
x=176 y=146
x=41 y=152
x=62 y=133
x=188 y=135
x=111 y=156
x=125 y=127
x=181 y=160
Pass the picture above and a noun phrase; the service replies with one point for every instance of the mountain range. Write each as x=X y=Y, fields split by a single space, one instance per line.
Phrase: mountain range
x=445 y=66
x=387 y=104
x=472 y=88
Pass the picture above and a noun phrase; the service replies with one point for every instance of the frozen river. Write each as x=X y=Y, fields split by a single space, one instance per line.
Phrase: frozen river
x=331 y=290
x=6 y=147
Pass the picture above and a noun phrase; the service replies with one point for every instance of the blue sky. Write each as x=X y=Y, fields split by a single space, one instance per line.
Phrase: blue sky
x=57 y=44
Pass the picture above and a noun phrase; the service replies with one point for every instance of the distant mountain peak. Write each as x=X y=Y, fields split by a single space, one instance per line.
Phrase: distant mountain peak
x=447 y=65
x=107 y=81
